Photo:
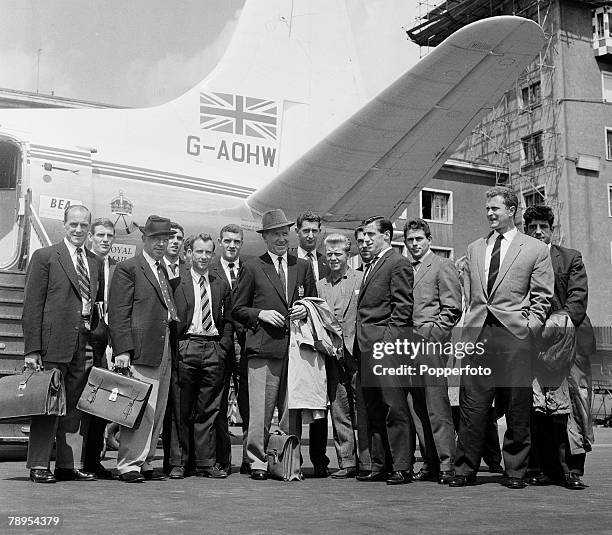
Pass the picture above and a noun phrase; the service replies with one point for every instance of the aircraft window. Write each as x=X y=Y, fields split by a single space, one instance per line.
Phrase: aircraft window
x=9 y=165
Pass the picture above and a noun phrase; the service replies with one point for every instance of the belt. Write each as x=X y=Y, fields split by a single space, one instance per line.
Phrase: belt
x=201 y=337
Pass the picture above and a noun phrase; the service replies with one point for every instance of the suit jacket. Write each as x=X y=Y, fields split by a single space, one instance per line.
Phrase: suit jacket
x=321 y=262
x=437 y=298
x=137 y=312
x=522 y=293
x=52 y=302
x=348 y=303
x=571 y=293
x=221 y=305
x=99 y=328
x=384 y=306
x=259 y=288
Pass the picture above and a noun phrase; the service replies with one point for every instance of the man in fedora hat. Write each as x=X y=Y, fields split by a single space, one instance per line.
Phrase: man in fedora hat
x=141 y=313
x=263 y=303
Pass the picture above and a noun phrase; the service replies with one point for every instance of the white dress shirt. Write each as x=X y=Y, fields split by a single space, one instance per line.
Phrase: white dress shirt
x=226 y=269
x=196 y=322
x=505 y=243
x=302 y=253
x=275 y=258
x=72 y=249
x=172 y=274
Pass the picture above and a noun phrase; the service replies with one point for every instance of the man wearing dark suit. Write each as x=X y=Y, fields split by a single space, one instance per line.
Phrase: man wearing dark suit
x=203 y=303
x=509 y=285
x=437 y=309
x=63 y=283
x=228 y=266
x=384 y=315
x=308 y=230
x=102 y=237
x=551 y=445
x=141 y=314
x=263 y=303
x=172 y=256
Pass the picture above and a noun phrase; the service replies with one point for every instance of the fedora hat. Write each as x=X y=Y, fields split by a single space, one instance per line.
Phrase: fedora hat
x=156 y=226
x=274 y=219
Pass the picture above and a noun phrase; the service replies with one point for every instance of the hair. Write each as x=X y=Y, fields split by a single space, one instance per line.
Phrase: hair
x=338 y=239
x=175 y=226
x=308 y=215
x=510 y=198
x=539 y=212
x=358 y=230
x=190 y=241
x=417 y=224
x=460 y=264
x=75 y=206
x=234 y=229
x=382 y=225
x=102 y=222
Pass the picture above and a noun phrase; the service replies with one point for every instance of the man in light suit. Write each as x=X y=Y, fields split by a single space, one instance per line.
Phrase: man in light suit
x=141 y=314
x=264 y=303
x=63 y=284
x=509 y=284
x=437 y=309
x=203 y=304
x=384 y=315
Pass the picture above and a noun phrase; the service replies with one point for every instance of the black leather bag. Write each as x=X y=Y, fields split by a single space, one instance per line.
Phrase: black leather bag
x=32 y=393
x=283 y=454
x=115 y=397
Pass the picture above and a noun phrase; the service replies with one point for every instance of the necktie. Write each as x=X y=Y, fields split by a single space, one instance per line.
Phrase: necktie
x=232 y=274
x=311 y=257
x=82 y=276
x=415 y=265
x=367 y=269
x=205 y=305
x=173 y=268
x=163 y=284
x=281 y=276
x=494 y=265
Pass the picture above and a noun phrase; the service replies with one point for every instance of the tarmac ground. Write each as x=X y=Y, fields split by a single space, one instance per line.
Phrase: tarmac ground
x=241 y=505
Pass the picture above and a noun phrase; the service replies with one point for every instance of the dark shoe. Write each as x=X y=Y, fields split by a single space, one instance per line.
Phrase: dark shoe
x=496 y=469
x=177 y=472
x=425 y=475
x=399 y=477
x=245 y=468
x=100 y=472
x=226 y=468
x=573 y=482
x=259 y=475
x=462 y=481
x=320 y=471
x=134 y=476
x=373 y=476
x=444 y=477
x=538 y=479
x=210 y=471
x=345 y=473
x=73 y=474
x=42 y=475
x=153 y=475
x=515 y=483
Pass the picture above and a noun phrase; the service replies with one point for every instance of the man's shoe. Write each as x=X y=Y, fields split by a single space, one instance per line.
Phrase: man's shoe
x=399 y=477
x=226 y=468
x=573 y=482
x=210 y=471
x=538 y=479
x=515 y=483
x=245 y=468
x=462 y=481
x=496 y=469
x=100 y=472
x=259 y=475
x=153 y=475
x=345 y=473
x=42 y=475
x=444 y=476
x=320 y=471
x=373 y=476
x=73 y=474
x=177 y=472
x=425 y=475
x=134 y=476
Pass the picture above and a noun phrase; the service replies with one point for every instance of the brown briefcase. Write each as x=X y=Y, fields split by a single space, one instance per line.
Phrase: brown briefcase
x=32 y=393
x=115 y=397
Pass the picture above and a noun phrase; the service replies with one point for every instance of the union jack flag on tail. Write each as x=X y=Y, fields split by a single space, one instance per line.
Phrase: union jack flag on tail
x=237 y=114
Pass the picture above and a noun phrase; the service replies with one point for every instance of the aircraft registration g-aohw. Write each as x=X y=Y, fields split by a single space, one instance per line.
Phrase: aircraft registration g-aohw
x=281 y=122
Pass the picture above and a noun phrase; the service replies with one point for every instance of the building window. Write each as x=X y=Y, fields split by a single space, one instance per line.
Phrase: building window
x=437 y=205
x=531 y=95
x=534 y=196
x=609 y=200
x=444 y=252
x=532 y=153
x=608 y=143
x=606 y=86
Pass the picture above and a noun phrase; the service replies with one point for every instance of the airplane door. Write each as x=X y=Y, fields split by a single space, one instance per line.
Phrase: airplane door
x=11 y=159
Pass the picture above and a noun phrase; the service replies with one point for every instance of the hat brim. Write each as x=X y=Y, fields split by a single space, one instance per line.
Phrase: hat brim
x=158 y=233
x=278 y=225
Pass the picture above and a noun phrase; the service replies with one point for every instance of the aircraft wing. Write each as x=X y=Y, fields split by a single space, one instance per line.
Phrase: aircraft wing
x=376 y=161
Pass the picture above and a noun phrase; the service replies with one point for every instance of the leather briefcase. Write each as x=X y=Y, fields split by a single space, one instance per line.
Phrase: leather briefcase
x=32 y=393
x=115 y=397
x=283 y=454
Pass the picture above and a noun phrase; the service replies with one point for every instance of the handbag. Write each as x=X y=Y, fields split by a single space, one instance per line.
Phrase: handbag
x=32 y=393
x=115 y=397
x=283 y=454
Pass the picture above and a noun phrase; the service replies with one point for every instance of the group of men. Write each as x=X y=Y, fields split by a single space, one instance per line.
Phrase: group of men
x=189 y=322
